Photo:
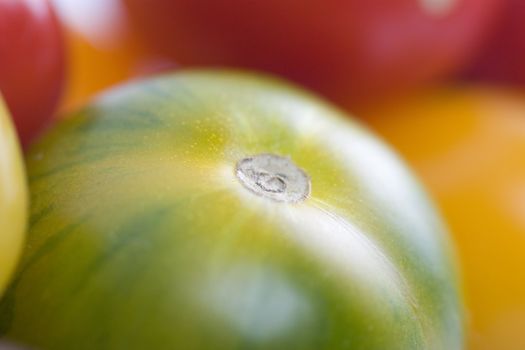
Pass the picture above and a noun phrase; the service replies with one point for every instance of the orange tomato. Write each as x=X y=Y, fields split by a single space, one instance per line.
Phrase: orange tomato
x=468 y=146
x=92 y=68
x=102 y=49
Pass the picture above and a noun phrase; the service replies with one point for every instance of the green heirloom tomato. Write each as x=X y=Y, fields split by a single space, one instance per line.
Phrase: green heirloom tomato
x=219 y=210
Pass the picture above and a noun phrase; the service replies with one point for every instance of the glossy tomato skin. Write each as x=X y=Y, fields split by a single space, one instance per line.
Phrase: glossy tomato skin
x=144 y=237
x=357 y=48
x=13 y=198
x=468 y=146
x=31 y=63
x=503 y=56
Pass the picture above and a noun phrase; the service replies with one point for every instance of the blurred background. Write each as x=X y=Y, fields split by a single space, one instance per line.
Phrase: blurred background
x=442 y=81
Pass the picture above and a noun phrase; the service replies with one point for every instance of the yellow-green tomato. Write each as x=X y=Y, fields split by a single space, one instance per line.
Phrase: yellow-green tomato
x=13 y=198
x=219 y=210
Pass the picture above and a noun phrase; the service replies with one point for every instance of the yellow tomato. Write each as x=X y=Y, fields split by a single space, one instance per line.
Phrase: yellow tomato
x=13 y=198
x=468 y=145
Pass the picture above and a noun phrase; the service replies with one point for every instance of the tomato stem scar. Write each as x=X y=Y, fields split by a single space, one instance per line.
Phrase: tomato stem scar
x=274 y=177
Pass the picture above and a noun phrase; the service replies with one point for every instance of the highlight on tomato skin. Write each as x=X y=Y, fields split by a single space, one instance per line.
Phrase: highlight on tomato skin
x=32 y=61
x=467 y=144
x=358 y=48
x=502 y=59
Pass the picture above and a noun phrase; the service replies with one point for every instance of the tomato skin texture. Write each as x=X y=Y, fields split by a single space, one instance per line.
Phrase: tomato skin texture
x=143 y=237
x=503 y=56
x=468 y=145
x=31 y=63
x=357 y=48
x=13 y=198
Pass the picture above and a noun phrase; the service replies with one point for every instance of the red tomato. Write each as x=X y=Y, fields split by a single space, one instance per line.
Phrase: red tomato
x=503 y=58
x=31 y=63
x=359 y=48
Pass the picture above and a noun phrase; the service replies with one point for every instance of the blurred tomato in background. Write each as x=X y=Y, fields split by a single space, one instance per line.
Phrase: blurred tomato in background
x=353 y=48
x=503 y=56
x=468 y=146
x=31 y=63
x=102 y=48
